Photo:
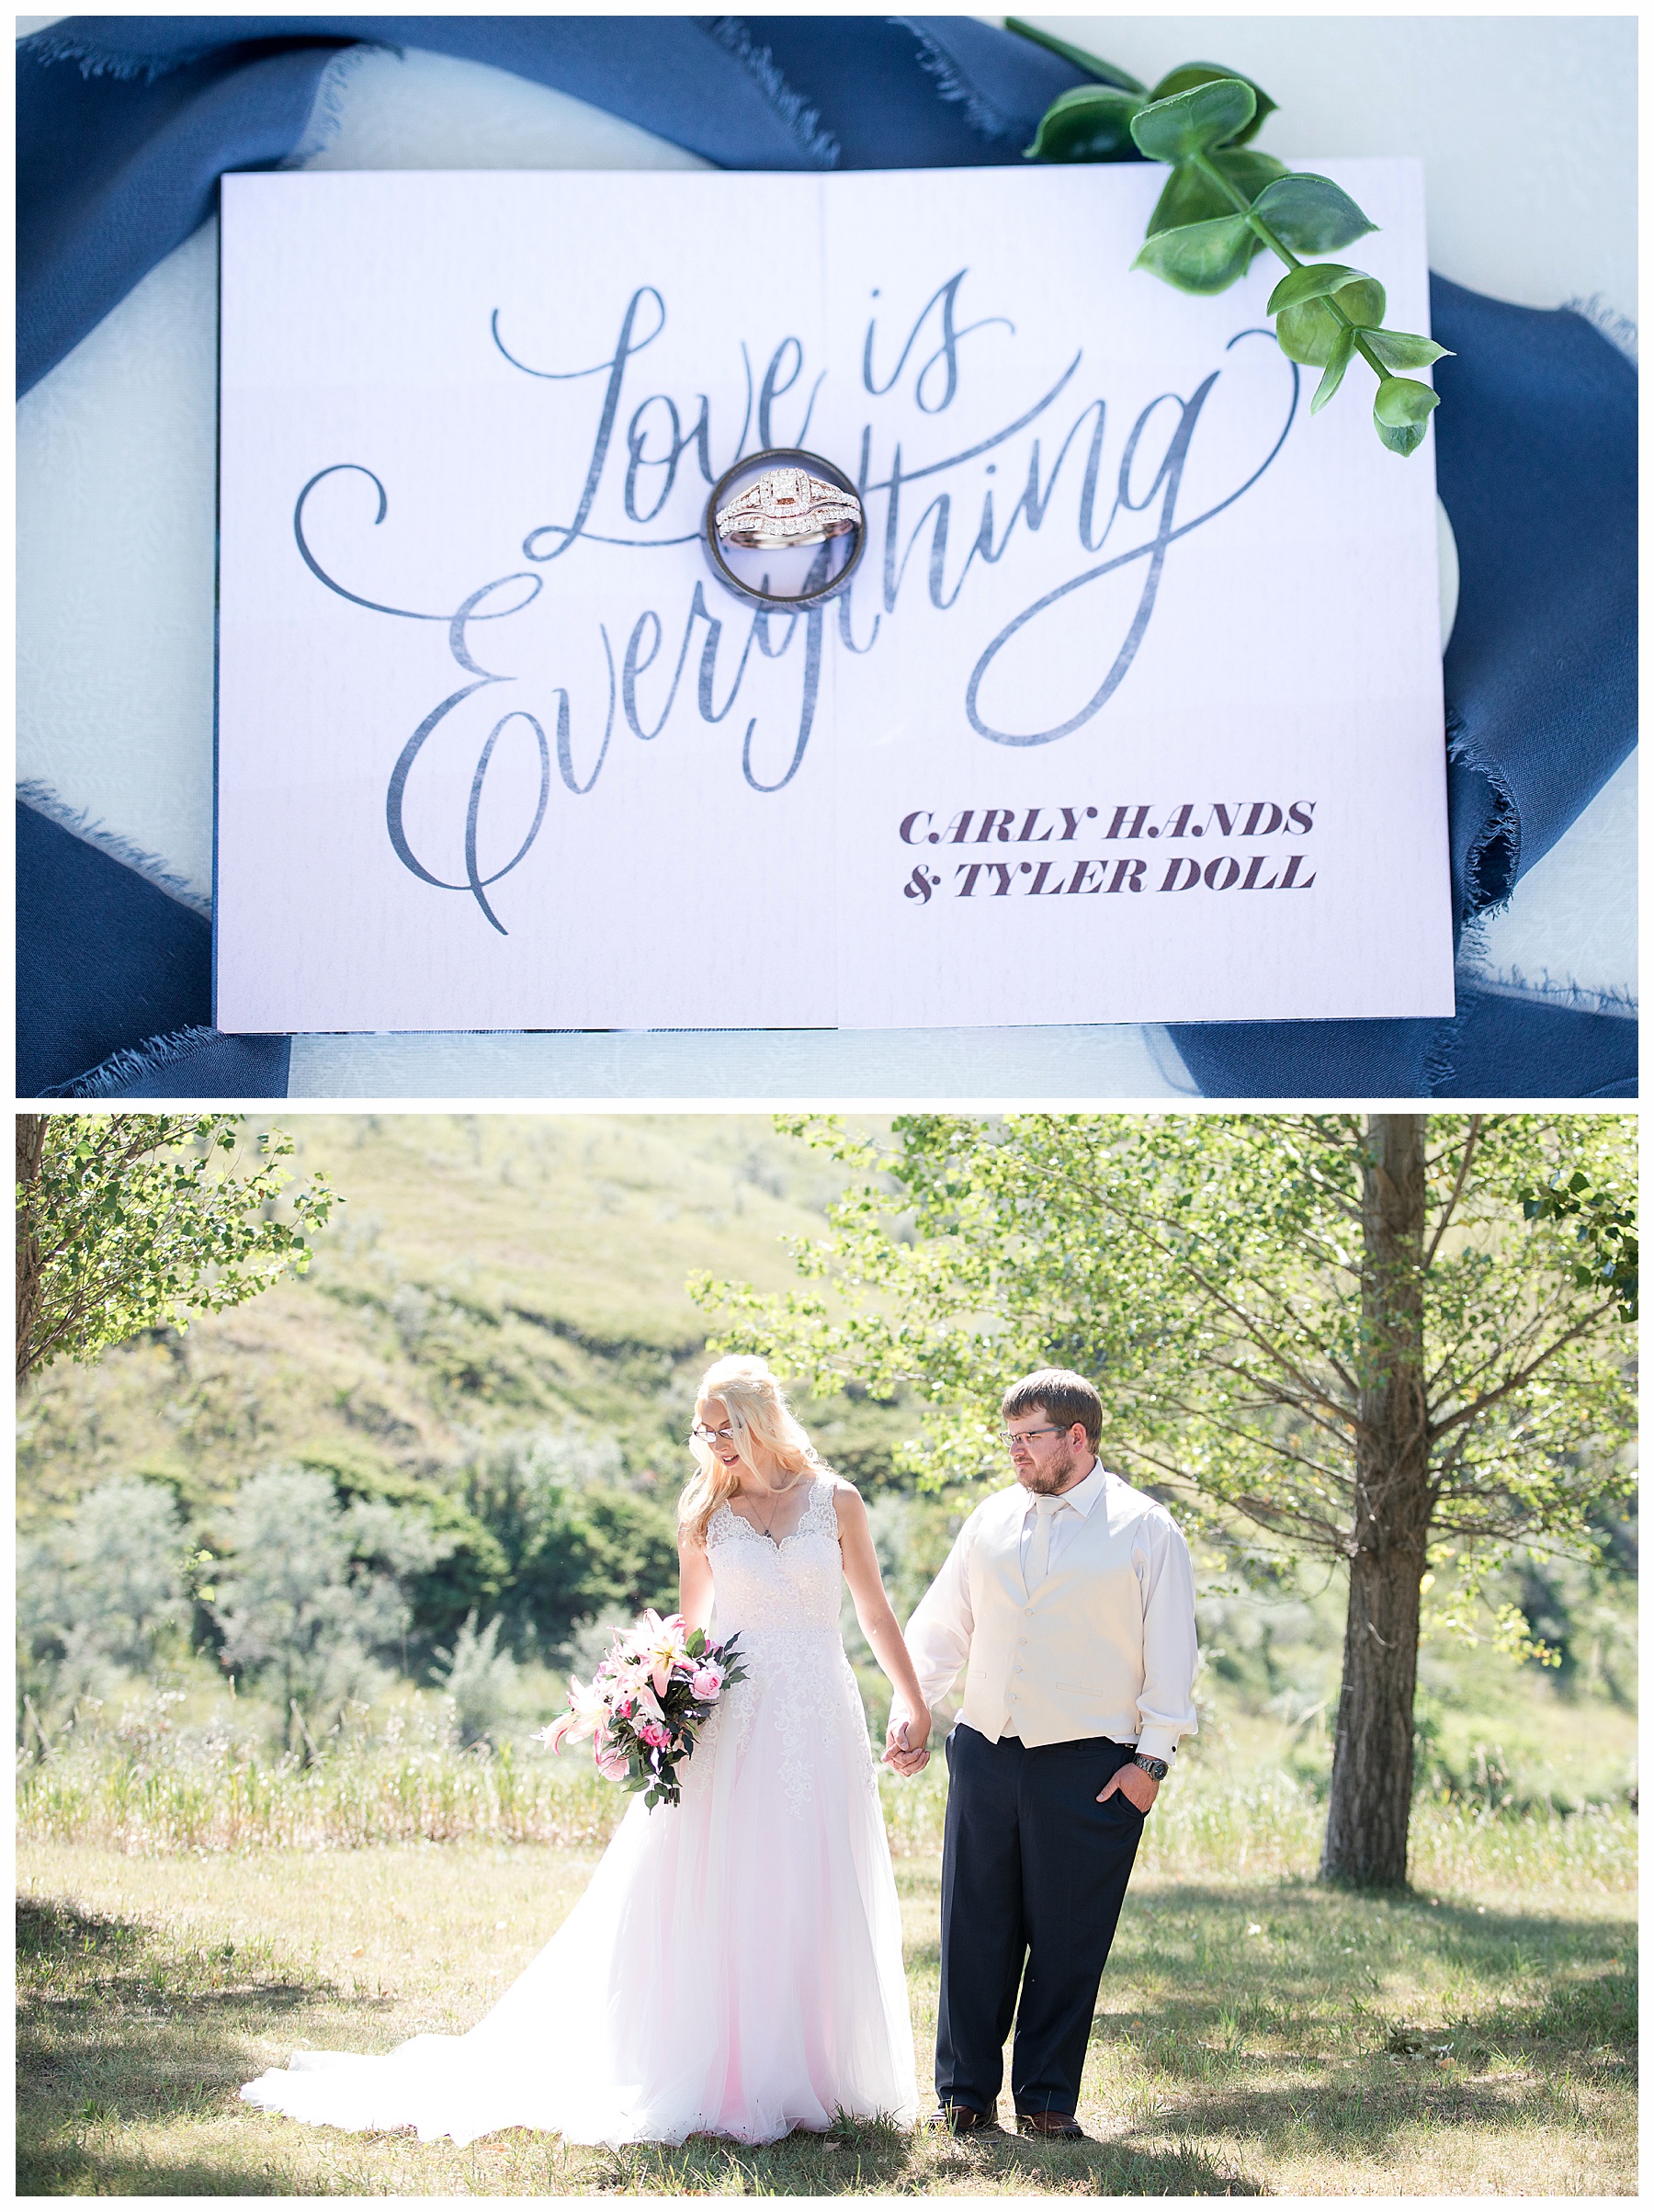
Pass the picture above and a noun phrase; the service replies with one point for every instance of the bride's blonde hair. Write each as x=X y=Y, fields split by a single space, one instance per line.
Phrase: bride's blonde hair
x=759 y=1415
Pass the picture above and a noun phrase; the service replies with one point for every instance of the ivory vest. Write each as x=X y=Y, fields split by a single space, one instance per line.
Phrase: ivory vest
x=1067 y=1661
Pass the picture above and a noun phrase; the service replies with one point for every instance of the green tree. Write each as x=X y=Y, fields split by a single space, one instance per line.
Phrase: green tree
x=1348 y=1330
x=104 y=1592
x=312 y=1596
x=605 y=1552
x=578 y=1542
x=482 y=1680
x=470 y=1568
x=130 y=1221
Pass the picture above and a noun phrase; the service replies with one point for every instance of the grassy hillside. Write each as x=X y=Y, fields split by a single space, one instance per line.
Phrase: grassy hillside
x=491 y=1279
x=486 y=1275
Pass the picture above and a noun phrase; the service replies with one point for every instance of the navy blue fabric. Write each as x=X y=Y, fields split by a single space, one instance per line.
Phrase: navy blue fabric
x=117 y=167
x=125 y=123
x=1033 y=1874
x=1495 y=1047
x=114 y=173
x=1559 y=1058
x=106 y=964
x=1536 y=467
x=210 y=1067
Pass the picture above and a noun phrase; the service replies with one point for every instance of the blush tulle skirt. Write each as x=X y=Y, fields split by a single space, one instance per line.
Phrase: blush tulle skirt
x=734 y=1966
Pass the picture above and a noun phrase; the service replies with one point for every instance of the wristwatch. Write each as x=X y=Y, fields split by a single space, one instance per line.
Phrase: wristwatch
x=1156 y=1769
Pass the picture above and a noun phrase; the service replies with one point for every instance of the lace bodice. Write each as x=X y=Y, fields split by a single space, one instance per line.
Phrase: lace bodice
x=760 y=1584
x=783 y=1598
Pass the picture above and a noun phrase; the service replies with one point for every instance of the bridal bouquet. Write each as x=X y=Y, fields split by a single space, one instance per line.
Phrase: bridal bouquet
x=647 y=1703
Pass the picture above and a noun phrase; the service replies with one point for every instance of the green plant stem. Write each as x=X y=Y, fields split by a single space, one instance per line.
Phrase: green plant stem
x=1242 y=205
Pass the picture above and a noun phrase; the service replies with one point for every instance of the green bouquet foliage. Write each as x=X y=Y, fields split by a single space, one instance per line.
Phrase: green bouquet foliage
x=1225 y=202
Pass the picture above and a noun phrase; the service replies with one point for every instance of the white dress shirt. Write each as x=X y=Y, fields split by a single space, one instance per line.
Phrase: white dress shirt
x=1143 y=1668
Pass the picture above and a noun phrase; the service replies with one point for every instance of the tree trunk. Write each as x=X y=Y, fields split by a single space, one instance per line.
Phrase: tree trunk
x=31 y=1146
x=1372 y=1755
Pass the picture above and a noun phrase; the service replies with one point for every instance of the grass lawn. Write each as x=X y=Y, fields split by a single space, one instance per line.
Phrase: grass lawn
x=1255 y=2034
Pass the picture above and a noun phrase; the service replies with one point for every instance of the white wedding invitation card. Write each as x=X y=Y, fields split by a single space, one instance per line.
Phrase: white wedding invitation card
x=1132 y=709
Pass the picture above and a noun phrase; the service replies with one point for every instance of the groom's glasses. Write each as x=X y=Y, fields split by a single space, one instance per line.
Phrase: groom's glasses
x=1026 y=1436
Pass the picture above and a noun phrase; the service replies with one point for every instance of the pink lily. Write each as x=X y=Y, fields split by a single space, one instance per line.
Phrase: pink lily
x=588 y=1712
x=663 y=1643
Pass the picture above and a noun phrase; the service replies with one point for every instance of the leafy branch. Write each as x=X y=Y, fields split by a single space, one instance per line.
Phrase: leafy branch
x=1606 y=1229
x=134 y=1221
x=1225 y=202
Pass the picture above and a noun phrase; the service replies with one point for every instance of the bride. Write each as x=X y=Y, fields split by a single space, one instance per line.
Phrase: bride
x=734 y=1966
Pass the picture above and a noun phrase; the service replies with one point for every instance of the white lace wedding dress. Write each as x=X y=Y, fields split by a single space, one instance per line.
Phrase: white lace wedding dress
x=734 y=1966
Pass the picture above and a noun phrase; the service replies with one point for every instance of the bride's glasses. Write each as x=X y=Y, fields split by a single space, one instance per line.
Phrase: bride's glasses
x=723 y=1435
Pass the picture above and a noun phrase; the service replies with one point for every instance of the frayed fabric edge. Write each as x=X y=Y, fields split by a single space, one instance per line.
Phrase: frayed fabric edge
x=937 y=64
x=1505 y=829
x=97 y=61
x=802 y=120
x=131 y=1062
x=1474 y=972
x=1441 y=1062
x=327 y=110
x=1615 y=1003
x=1619 y=330
x=41 y=799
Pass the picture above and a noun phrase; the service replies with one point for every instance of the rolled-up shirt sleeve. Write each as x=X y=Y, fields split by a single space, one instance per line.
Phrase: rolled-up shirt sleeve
x=1165 y=1576
x=938 y=1635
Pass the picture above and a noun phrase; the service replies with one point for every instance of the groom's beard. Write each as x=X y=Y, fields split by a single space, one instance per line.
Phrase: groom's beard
x=1055 y=1474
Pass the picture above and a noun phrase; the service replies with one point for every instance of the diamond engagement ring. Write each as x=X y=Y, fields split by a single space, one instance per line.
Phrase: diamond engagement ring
x=784 y=502
x=787 y=507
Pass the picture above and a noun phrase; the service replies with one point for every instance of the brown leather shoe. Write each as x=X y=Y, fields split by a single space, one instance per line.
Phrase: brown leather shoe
x=1050 y=2123
x=965 y=2119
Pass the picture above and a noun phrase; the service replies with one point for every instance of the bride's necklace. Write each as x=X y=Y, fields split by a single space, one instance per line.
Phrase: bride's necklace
x=774 y=1496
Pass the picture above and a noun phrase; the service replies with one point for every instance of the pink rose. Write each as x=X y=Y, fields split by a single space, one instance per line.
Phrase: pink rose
x=706 y=1682
x=612 y=1766
x=655 y=1735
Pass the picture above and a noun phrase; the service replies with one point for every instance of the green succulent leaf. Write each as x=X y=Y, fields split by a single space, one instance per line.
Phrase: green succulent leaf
x=1354 y=288
x=1362 y=302
x=1192 y=122
x=1310 y=215
x=1309 y=333
x=1189 y=74
x=1105 y=72
x=1401 y=412
x=1091 y=123
x=1200 y=256
x=1342 y=353
x=1399 y=349
x=1190 y=195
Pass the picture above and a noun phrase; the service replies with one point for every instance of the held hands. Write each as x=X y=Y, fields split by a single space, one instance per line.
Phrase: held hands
x=1133 y=1783
x=906 y=1748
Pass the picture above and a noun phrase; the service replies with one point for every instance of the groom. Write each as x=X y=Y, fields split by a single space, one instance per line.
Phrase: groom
x=1069 y=1600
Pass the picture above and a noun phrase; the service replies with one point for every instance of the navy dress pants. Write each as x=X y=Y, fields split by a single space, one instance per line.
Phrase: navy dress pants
x=1033 y=1874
